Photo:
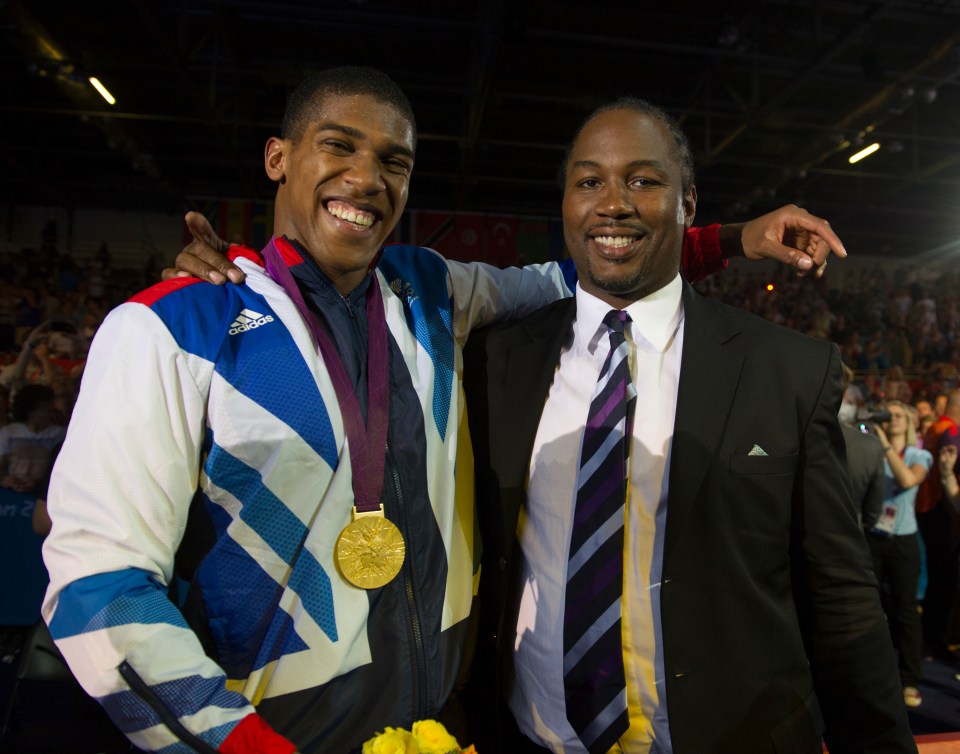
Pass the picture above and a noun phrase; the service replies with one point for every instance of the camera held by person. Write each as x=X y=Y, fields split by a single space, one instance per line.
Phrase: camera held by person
x=869 y=417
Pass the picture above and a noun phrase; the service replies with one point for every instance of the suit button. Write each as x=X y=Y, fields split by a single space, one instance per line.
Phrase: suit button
x=503 y=564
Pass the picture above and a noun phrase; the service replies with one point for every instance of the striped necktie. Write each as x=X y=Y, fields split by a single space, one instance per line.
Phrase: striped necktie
x=594 y=682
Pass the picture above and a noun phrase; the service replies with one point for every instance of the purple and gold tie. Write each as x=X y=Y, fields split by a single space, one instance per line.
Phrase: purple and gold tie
x=594 y=682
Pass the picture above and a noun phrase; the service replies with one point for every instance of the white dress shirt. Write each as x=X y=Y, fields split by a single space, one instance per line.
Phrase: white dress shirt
x=655 y=336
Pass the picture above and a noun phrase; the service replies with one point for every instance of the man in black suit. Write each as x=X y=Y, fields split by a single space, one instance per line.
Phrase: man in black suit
x=750 y=619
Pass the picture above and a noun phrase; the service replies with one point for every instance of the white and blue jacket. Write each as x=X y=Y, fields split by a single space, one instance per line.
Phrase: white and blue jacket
x=202 y=486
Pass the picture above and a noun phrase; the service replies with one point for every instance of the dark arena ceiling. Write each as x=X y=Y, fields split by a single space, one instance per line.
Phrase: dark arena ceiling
x=774 y=95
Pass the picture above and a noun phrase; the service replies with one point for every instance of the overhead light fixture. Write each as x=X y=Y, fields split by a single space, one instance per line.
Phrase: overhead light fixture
x=865 y=152
x=95 y=82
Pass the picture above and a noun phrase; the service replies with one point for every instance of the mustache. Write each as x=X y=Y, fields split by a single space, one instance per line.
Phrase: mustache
x=608 y=226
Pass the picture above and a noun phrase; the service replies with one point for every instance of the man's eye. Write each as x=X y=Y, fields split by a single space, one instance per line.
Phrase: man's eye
x=397 y=166
x=642 y=182
x=336 y=144
x=588 y=183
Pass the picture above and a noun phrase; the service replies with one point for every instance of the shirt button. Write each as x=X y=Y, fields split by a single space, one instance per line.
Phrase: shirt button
x=503 y=564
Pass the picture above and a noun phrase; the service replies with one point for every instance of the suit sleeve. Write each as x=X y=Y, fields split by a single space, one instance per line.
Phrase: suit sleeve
x=119 y=496
x=848 y=643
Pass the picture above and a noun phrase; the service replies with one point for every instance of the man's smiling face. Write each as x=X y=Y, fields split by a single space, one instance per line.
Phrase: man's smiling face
x=343 y=183
x=625 y=208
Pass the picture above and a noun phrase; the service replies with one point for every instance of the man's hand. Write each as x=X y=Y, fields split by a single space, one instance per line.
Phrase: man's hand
x=205 y=256
x=790 y=235
x=948 y=458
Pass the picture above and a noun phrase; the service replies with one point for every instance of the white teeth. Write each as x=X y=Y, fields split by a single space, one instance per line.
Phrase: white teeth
x=351 y=216
x=617 y=242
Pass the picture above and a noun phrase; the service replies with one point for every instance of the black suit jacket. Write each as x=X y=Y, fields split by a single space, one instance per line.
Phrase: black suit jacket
x=770 y=611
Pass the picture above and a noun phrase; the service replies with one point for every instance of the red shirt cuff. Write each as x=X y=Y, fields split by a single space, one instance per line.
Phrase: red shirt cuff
x=253 y=736
x=702 y=255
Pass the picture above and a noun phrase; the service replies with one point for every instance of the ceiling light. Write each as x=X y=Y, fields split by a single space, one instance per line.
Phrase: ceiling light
x=866 y=152
x=95 y=82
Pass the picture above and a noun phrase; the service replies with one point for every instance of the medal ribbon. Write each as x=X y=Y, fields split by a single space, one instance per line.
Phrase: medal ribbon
x=367 y=441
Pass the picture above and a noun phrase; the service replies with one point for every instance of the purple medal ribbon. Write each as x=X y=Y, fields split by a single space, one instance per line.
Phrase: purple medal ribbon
x=367 y=441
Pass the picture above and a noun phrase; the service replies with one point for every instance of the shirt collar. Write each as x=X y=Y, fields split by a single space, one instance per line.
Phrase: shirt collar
x=655 y=317
x=310 y=278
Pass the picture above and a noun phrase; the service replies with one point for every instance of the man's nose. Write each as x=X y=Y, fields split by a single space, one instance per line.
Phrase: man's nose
x=613 y=202
x=365 y=175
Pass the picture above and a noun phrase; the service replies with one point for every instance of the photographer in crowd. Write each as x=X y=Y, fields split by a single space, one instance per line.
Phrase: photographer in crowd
x=895 y=544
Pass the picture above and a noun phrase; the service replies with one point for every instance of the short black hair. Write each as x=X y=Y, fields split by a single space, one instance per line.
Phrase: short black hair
x=307 y=99
x=682 y=151
x=28 y=398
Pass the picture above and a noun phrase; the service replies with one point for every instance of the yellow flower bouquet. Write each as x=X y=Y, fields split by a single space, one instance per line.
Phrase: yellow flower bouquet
x=427 y=737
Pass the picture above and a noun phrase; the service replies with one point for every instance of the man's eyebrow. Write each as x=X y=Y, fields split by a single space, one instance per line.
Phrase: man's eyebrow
x=655 y=164
x=593 y=165
x=393 y=148
x=585 y=164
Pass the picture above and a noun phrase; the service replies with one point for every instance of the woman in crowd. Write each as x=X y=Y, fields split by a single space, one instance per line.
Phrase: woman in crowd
x=895 y=543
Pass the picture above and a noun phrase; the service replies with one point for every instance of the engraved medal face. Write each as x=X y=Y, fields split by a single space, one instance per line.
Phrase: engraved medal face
x=370 y=552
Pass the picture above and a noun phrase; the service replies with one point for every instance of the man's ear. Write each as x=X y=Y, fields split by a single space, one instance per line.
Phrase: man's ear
x=274 y=158
x=689 y=206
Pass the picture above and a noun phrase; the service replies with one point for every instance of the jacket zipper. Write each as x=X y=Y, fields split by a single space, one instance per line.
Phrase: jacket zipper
x=148 y=695
x=420 y=695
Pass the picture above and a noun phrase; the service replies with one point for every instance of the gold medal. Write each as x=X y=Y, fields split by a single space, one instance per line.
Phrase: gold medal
x=370 y=550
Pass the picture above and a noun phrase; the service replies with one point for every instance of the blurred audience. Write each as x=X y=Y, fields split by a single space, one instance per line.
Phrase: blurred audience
x=26 y=443
x=898 y=330
x=935 y=518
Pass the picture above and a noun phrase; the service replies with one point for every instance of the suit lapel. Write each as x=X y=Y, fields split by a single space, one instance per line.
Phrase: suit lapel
x=709 y=372
x=530 y=353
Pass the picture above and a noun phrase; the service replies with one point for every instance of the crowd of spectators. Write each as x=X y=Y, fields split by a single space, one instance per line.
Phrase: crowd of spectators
x=50 y=307
x=897 y=326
